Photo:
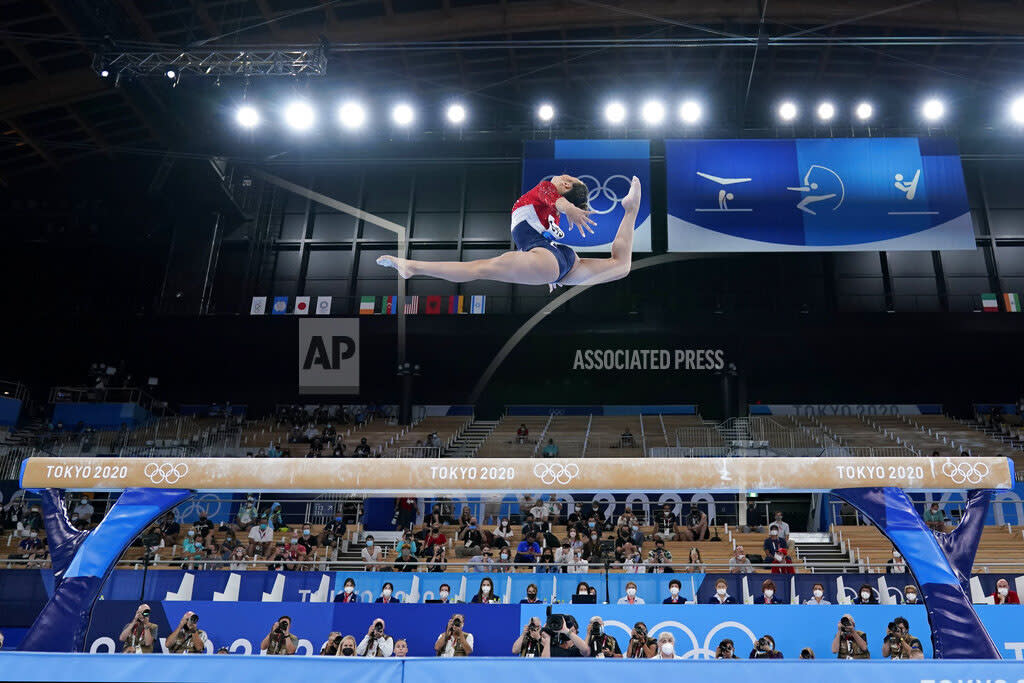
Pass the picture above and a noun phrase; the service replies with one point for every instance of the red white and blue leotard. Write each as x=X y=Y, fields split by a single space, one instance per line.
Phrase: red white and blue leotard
x=535 y=224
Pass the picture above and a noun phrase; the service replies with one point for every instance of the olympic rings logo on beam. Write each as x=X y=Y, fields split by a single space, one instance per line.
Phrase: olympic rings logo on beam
x=165 y=472
x=965 y=472
x=597 y=189
x=550 y=473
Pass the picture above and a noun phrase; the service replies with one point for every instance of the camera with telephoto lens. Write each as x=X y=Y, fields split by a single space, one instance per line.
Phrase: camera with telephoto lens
x=378 y=627
x=806 y=653
x=457 y=623
x=337 y=640
x=595 y=629
x=281 y=627
x=846 y=624
x=763 y=644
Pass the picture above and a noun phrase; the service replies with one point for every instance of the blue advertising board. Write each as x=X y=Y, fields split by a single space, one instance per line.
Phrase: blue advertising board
x=606 y=167
x=863 y=194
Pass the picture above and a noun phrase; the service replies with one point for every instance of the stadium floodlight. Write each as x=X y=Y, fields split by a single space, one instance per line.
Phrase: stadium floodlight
x=456 y=113
x=653 y=112
x=933 y=109
x=171 y=74
x=690 y=112
x=864 y=111
x=351 y=115
x=826 y=111
x=104 y=73
x=545 y=112
x=402 y=114
x=787 y=111
x=615 y=112
x=1017 y=110
x=299 y=115
x=247 y=116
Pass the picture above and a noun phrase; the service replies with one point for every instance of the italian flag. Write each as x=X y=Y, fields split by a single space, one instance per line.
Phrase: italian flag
x=1012 y=302
x=989 y=303
x=366 y=305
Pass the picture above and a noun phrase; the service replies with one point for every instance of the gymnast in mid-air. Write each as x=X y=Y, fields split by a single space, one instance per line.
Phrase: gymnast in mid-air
x=540 y=258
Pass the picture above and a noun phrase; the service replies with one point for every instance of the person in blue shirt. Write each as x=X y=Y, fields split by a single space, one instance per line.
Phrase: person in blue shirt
x=774 y=542
x=721 y=596
x=767 y=596
x=528 y=549
x=674 y=598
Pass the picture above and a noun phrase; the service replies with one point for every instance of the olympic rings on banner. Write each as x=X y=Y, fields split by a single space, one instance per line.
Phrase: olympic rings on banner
x=965 y=472
x=550 y=473
x=597 y=189
x=165 y=472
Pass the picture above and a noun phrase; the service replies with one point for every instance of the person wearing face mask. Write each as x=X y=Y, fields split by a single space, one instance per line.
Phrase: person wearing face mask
x=696 y=528
x=204 y=529
x=592 y=549
x=502 y=534
x=435 y=544
x=935 y=518
x=866 y=596
x=306 y=539
x=631 y=598
x=470 y=540
x=239 y=562
x=674 y=598
x=767 y=596
x=332 y=535
x=575 y=564
x=667 y=647
x=528 y=550
x=84 y=510
x=226 y=550
x=294 y=552
x=376 y=643
x=503 y=565
x=739 y=563
x=773 y=542
x=531 y=596
x=582 y=593
x=896 y=565
x=261 y=540
x=782 y=526
x=170 y=529
x=818 y=593
x=31 y=547
x=721 y=596
x=602 y=645
x=347 y=647
x=782 y=563
x=386 y=594
x=1003 y=595
x=549 y=563
x=910 y=596
x=406 y=561
x=192 y=549
x=485 y=594
x=348 y=593
x=372 y=556
x=444 y=592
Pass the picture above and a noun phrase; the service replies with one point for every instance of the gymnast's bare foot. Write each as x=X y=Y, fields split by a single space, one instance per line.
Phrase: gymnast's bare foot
x=403 y=266
x=631 y=202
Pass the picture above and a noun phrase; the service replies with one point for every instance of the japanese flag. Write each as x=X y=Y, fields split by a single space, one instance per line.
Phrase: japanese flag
x=301 y=305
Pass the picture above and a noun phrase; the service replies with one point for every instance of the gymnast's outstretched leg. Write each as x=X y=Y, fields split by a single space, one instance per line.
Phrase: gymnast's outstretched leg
x=592 y=271
x=534 y=267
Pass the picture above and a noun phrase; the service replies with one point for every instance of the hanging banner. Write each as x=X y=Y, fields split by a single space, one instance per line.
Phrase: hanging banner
x=606 y=167
x=864 y=194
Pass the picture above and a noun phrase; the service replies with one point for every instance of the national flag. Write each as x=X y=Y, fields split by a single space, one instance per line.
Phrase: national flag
x=301 y=305
x=477 y=304
x=323 y=305
x=366 y=305
x=412 y=305
x=433 y=306
x=456 y=305
x=1012 y=302
x=259 y=305
x=280 y=305
x=989 y=303
x=391 y=305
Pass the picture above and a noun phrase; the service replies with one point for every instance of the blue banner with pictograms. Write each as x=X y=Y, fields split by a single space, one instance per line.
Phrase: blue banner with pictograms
x=862 y=194
x=606 y=167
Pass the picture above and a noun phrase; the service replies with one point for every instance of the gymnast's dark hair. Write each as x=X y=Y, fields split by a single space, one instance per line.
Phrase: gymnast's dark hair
x=578 y=195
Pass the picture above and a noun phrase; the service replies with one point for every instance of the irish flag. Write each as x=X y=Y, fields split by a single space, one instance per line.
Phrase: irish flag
x=366 y=305
x=1012 y=302
x=989 y=303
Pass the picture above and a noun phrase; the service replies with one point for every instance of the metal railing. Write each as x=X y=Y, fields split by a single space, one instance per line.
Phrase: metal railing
x=416 y=452
x=102 y=395
x=15 y=390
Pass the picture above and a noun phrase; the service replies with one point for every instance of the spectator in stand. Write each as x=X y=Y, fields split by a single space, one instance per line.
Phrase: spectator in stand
x=531 y=596
x=279 y=559
x=630 y=598
x=273 y=451
x=767 y=596
x=31 y=548
x=773 y=542
x=435 y=543
x=818 y=596
x=502 y=534
x=275 y=517
x=386 y=596
x=755 y=519
x=551 y=450
x=1003 y=595
x=239 y=562
x=261 y=540
x=782 y=563
x=530 y=526
x=626 y=439
x=363 y=449
x=622 y=539
x=84 y=510
x=348 y=593
x=934 y=518
x=482 y=563
x=528 y=549
x=575 y=564
x=407 y=541
x=674 y=598
x=406 y=561
x=659 y=558
x=204 y=529
x=454 y=642
x=696 y=562
x=192 y=549
x=339 y=449
x=665 y=523
x=169 y=529
x=897 y=565
x=522 y=434
x=721 y=596
x=696 y=525
x=227 y=547
x=405 y=512
x=307 y=540
x=783 y=526
x=504 y=564
x=295 y=552
x=372 y=556
x=632 y=560
x=246 y=515
x=866 y=597
x=547 y=564
x=485 y=594
x=376 y=643
x=470 y=539
x=739 y=563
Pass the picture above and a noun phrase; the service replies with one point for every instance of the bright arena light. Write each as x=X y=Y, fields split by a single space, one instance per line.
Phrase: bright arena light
x=787 y=111
x=653 y=112
x=402 y=114
x=933 y=109
x=104 y=73
x=690 y=112
x=1017 y=110
x=864 y=111
x=456 y=113
x=826 y=110
x=247 y=116
x=171 y=73
x=299 y=115
x=351 y=115
x=545 y=112
x=615 y=112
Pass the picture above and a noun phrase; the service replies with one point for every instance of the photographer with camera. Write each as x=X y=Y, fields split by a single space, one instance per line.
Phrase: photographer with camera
x=600 y=643
x=807 y=653
x=726 y=650
x=454 y=642
x=560 y=638
x=529 y=644
x=188 y=638
x=658 y=557
x=764 y=648
x=898 y=643
x=850 y=643
x=280 y=640
x=641 y=645
x=140 y=634
x=376 y=643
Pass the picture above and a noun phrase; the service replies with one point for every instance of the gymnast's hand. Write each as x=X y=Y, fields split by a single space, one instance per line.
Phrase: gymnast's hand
x=580 y=219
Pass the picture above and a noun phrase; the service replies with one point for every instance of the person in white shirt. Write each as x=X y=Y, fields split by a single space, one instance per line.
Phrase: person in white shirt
x=261 y=540
x=84 y=510
x=783 y=526
x=454 y=642
x=575 y=564
x=819 y=596
x=504 y=532
x=630 y=598
x=372 y=556
x=667 y=647
x=376 y=643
